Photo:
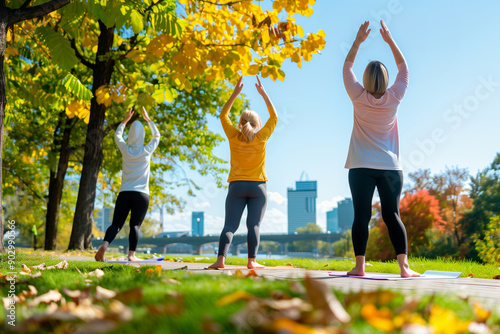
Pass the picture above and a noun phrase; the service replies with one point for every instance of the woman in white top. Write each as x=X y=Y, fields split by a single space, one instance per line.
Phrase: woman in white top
x=134 y=191
x=373 y=159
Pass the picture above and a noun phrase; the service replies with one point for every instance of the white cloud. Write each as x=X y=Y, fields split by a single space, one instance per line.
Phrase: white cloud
x=276 y=197
x=328 y=205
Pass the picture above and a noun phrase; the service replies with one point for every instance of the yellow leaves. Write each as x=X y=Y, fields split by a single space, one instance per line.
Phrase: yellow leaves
x=159 y=45
x=11 y=51
x=446 y=322
x=107 y=94
x=150 y=271
x=137 y=56
x=80 y=110
x=9 y=36
x=252 y=70
x=481 y=314
x=234 y=297
x=380 y=319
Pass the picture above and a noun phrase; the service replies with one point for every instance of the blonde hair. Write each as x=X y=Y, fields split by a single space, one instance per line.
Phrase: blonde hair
x=376 y=77
x=249 y=123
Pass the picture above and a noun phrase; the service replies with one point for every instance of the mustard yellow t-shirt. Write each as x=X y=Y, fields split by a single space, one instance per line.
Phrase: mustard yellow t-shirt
x=248 y=159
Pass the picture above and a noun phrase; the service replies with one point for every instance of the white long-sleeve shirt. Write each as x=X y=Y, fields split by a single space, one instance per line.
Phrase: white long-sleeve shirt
x=375 y=140
x=136 y=157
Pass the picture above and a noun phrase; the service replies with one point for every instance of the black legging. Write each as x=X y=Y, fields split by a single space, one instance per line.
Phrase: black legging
x=389 y=183
x=128 y=201
x=253 y=195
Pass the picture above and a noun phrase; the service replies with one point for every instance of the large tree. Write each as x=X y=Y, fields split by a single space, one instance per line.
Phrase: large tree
x=12 y=12
x=214 y=42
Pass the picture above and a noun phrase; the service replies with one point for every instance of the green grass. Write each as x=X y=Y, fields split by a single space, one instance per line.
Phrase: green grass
x=201 y=292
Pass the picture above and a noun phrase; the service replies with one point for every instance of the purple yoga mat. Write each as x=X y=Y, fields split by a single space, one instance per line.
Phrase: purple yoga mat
x=429 y=274
x=157 y=259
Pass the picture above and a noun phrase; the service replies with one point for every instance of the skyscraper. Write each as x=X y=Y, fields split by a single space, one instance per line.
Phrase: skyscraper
x=301 y=205
x=197 y=223
x=104 y=218
x=332 y=221
x=345 y=214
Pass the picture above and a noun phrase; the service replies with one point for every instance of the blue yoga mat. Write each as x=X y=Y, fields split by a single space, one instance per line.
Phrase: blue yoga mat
x=157 y=259
x=429 y=274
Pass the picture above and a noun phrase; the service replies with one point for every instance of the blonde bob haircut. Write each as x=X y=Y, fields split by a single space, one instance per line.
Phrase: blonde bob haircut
x=248 y=125
x=376 y=77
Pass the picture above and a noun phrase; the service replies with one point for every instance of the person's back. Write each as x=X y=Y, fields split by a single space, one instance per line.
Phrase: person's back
x=136 y=157
x=375 y=138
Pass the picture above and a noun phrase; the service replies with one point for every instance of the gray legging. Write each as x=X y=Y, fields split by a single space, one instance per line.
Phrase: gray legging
x=253 y=195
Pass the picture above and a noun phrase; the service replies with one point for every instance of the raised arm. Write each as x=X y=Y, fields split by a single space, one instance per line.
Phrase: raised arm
x=155 y=141
x=386 y=35
x=363 y=33
x=269 y=103
x=270 y=125
x=227 y=125
x=119 y=131
x=401 y=83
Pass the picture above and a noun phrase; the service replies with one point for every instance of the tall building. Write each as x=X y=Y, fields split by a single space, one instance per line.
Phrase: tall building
x=302 y=205
x=345 y=214
x=332 y=221
x=197 y=223
x=104 y=218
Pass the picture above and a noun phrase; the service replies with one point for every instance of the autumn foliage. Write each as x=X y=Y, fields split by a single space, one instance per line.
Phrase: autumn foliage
x=419 y=212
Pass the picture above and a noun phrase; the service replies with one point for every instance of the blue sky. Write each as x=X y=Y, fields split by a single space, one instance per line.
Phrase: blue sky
x=450 y=115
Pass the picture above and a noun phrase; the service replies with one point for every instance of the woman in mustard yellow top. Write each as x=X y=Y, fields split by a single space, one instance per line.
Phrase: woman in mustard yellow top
x=247 y=177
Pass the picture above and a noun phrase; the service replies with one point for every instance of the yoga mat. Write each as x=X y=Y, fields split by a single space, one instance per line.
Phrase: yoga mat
x=157 y=259
x=429 y=274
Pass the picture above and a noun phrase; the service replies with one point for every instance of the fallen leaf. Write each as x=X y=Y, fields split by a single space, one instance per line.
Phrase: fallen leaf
x=470 y=275
x=60 y=265
x=170 y=281
x=119 y=311
x=252 y=273
x=46 y=298
x=379 y=319
x=150 y=271
x=103 y=294
x=133 y=295
x=496 y=277
x=98 y=273
x=322 y=298
x=481 y=314
x=234 y=297
x=239 y=274
x=158 y=269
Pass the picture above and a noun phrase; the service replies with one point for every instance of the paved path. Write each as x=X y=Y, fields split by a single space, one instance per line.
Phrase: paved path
x=486 y=291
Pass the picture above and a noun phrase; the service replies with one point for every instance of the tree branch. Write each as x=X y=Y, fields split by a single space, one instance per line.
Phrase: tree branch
x=25 y=4
x=80 y=56
x=23 y=14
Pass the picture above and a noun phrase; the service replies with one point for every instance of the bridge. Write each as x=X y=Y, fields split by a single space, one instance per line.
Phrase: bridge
x=197 y=242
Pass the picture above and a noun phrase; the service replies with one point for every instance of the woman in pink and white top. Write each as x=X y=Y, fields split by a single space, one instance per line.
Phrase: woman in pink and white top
x=373 y=158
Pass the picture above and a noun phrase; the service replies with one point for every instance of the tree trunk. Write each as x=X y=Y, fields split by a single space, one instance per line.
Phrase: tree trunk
x=81 y=234
x=56 y=182
x=3 y=103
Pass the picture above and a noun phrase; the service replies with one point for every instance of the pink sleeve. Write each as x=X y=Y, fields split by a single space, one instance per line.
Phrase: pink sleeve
x=352 y=86
x=401 y=84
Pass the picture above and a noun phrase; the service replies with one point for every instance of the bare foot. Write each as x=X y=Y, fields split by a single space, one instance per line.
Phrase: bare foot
x=407 y=272
x=254 y=265
x=99 y=256
x=133 y=258
x=356 y=272
x=216 y=265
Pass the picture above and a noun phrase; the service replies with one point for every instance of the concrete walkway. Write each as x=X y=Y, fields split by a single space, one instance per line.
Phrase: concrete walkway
x=486 y=291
